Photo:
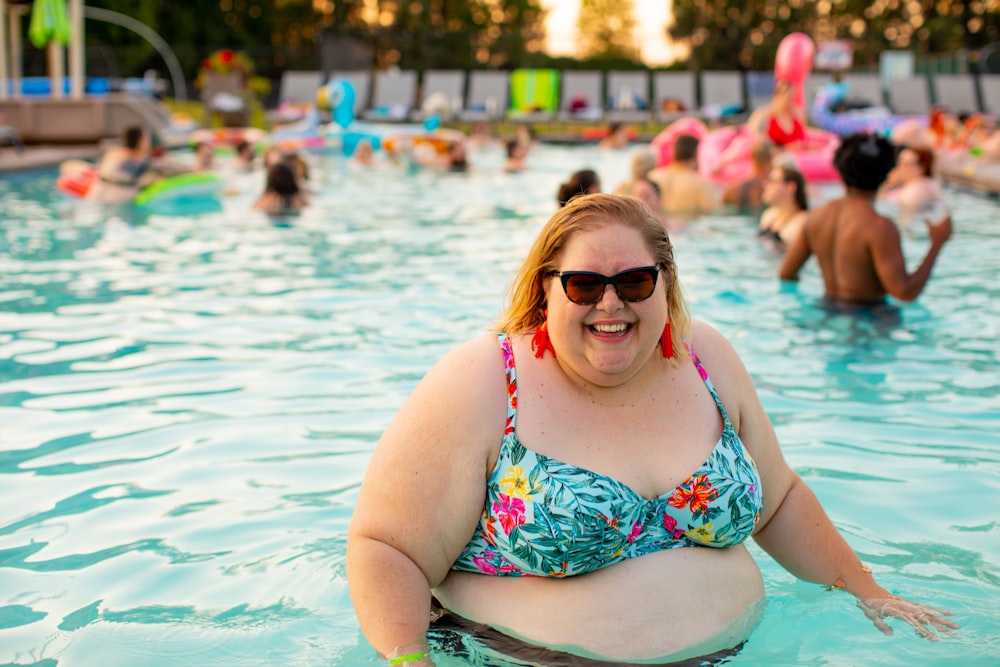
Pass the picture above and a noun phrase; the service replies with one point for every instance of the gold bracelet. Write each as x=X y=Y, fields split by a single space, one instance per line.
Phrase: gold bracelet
x=840 y=583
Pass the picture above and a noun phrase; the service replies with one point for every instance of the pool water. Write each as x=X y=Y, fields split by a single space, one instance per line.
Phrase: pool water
x=188 y=403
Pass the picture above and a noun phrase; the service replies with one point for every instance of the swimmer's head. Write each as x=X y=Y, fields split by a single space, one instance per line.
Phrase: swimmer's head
x=864 y=160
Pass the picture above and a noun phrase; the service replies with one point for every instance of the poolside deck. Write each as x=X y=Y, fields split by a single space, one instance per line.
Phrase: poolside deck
x=41 y=156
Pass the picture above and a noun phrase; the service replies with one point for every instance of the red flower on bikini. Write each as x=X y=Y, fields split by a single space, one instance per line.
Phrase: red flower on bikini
x=698 y=494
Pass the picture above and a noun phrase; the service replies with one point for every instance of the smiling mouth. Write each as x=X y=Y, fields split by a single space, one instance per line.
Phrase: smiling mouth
x=610 y=330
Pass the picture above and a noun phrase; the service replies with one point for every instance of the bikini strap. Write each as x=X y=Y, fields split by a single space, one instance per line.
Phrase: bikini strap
x=708 y=383
x=508 y=364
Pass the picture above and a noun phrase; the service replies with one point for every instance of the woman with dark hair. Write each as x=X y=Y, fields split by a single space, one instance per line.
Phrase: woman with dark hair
x=282 y=193
x=124 y=169
x=785 y=196
x=583 y=182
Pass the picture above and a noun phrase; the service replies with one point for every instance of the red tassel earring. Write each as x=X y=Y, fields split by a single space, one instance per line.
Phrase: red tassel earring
x=540 y=341
x=667 y=342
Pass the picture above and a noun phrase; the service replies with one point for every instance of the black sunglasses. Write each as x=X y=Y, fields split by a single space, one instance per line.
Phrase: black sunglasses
x=586 y=288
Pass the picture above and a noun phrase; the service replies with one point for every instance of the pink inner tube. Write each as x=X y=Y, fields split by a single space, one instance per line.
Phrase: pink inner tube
x=815 y=163
x=662 y=144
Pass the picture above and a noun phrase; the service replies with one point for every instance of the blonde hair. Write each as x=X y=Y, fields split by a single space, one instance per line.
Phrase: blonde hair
x=582 y=214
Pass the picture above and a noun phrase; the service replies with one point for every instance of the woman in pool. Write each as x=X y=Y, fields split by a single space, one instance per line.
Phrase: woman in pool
x=124 y=169
x=911 y=183
x=582 y=182
x=538 y=484
x=282 y=194
x=787 y=206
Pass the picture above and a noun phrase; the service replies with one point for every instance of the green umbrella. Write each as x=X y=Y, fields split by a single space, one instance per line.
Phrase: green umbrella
x=49 y=22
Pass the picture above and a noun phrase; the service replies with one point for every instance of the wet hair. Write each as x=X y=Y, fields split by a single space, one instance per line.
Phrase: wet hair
x=793 y=175
x=584 y=214
x=242 y=146
x=579 y=183
x=864 y=160
x=685 y=148
x=511 y=144
x=281 y=181
x=131 y=136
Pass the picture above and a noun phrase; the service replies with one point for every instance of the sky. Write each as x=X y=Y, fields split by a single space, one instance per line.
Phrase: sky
x=651 y=15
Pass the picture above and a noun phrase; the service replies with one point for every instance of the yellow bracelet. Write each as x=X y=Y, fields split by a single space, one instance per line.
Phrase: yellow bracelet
x=413 y=657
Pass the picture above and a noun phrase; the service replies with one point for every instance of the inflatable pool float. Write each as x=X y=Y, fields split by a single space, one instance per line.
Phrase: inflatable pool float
x=662 y=144
x=181 y=187
x=228 y=136
x=877 y=120
x=815 y=162
x=76 y=182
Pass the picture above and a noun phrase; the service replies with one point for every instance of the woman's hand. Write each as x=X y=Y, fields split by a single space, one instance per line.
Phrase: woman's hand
x=924 y=619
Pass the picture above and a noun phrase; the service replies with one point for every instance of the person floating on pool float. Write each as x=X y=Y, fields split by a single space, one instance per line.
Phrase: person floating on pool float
x=124 y=170
x=859 y=251
x=779 y=122
x=581 y=484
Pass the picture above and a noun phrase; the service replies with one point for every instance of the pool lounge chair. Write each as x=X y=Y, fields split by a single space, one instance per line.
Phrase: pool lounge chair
x=582 y=94
x=226 y=95
x=955 y=92
x=989 y=91
x=909 y=96
x=297 y=90
x=442 y=92
x=394 y=95
x=488 y=95
x=675 y=95
x=628 y=96
x=865 y=87
x=722 y=95
x=534 y=95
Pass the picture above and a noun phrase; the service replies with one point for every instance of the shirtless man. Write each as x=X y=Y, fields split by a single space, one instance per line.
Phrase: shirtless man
x=859 y=251
x=683 y=193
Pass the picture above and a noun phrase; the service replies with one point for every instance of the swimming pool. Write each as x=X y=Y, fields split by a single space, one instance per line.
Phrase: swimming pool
x=188 y=404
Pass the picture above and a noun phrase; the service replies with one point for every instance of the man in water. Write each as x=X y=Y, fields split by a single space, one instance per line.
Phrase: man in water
x=859 y=251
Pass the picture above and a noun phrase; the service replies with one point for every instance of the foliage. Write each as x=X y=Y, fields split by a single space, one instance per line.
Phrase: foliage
x=466 y=34
x=606 y=29
x=730 y=34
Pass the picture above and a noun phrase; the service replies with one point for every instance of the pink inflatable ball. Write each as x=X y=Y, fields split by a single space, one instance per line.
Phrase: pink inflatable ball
x=662 y=144
x=793 y=62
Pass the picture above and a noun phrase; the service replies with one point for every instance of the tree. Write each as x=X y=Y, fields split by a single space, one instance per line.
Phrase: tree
x=607 y=29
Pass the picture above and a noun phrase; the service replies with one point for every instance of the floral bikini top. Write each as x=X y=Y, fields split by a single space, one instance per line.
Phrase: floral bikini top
x=543 y=517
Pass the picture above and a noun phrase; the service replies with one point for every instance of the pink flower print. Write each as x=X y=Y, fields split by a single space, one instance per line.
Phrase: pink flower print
x=510 y=512
x=670 y=523
x=484 y=563
x=636 y=530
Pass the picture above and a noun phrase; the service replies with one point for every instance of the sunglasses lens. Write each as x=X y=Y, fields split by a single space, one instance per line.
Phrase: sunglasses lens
x=636 y=285
x=584 y=289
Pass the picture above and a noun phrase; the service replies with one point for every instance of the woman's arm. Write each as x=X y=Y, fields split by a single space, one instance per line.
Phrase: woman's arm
x=423 y=493
x=793 y=527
